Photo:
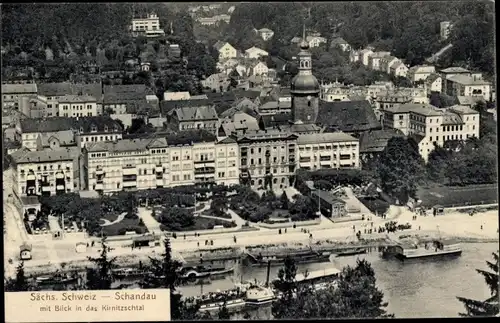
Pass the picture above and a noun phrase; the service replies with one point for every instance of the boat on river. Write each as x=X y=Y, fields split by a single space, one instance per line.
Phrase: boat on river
x=351 y=252
x=245 y=294
x=57 y=279
x=278 y=258
x=424 y=248
x=204 y=271
x=124 y=273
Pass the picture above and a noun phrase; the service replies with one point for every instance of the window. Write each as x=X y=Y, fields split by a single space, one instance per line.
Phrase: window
x=400 y=117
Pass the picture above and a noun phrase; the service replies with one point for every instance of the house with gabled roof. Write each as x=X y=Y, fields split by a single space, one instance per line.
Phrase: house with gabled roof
x=340 y=42
x=225 y=49
x=189 y=117
x=255 y=52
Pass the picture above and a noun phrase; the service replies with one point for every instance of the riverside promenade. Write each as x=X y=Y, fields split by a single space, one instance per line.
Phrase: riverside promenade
x=458 y=225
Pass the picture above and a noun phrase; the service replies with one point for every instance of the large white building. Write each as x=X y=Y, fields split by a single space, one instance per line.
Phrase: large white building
x=46 y=172
x=328 y=150
x=182 y=159
x=77 y=106
x=462 y=85
x=430 y=125
x=420 y=72
x=149 y=26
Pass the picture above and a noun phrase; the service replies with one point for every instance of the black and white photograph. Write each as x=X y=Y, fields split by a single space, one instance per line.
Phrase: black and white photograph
x=250 y=160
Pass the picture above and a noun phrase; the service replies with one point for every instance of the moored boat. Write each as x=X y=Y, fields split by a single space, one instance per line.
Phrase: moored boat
x=278 y=258
x=193 y=272
x=426 y=248
x=121 y=273
x=57 y=278
x=351 y=252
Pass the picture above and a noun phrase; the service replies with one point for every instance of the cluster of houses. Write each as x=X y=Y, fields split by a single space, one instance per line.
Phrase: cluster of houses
x=64 y=137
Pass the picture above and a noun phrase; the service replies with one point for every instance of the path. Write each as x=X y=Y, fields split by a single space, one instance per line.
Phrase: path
x=148 y=219
x=355 y=202
x=118 y=219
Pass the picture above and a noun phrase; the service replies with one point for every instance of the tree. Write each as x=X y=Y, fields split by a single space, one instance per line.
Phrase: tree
x=437 y=164
x=302 y=209
x=401 y=168
x=164 y=273
x=355 y=296
x=284 y=201
x=286 y=286
x=20 y=283
x=176 y=218
x=490 y=306
x=223 y=312
x=101 y=277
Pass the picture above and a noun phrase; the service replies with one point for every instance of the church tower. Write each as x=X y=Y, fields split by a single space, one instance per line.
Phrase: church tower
x=305 y=88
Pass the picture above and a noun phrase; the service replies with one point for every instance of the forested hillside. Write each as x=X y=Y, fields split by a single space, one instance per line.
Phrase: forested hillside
x=410 y=30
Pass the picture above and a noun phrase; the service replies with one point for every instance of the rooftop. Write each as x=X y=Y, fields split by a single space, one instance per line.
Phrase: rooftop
x=267 y=134
x=420 y=108
x=24 y=156
x=19 y=88
x=347 y=116
x=70 y=98
x=451 y=70
x=376 y=140
x=327 y=137
x=195 y=113
x=55 y=124
x=462 y=109
x=467 y=80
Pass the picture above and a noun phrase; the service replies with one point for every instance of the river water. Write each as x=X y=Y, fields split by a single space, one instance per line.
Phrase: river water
x=415 y=289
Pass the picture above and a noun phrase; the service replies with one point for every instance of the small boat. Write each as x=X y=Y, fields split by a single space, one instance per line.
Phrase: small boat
x=193 y=272
x=351 y=252
x=234 y=298
x=259 y=295
x=276 y=259
x=128 y=273
x=56 y=279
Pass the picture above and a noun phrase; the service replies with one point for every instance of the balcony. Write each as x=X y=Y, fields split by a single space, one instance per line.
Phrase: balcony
x=159 y=168
x=99 y=181
x=129 y=184
x=129 y=178
x=99 y=187
x=59 y=175
x=99 y=171
x=159 y=182
x=205 y=171
x=45 y=188
x=31 y=177
x=204 y=161
x=129 y=171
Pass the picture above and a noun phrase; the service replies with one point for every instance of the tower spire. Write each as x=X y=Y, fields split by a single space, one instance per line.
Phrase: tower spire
x=304 y=31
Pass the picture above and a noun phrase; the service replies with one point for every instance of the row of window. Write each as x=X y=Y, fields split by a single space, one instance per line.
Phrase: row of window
x=452 y=137
x=232 y=173
x=78 y=107
x=100 y=138
x=45 y=168
x=328 y=147
x=223 y=164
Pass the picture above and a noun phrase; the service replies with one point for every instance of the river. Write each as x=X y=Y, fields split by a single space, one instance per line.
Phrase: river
x=415 y=289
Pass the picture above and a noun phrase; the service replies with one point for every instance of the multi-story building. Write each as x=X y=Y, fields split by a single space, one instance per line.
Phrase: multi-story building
x=199 y=117
x=364 y=56
x=11 y=93
x=430 y=125
x=77 y=106
x=328 y=150
x=434 y=83
x=334 y=92
x=149 y=26
x=255 y=52
x=46 y=172
x=340 y=42
x=420 y=72
x=375 y=58
x=86 y=129
x=386 y=62
x=267 y=156
x=186 y=158
x=399 y=69
x=445 y=29
x=461 y=85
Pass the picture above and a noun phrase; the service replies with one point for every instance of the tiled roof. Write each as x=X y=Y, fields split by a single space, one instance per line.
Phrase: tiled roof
x=195 y=113
x=219 y=44
x=265 y=30
x=218 y=98
x=431 y=78
x=455 y=70
x=347 y=116
x=127 y=88
x=47 y=155
x=376 y=140
x=64 y=123
x=420 y=108
x=301 y=128
x=467 y=80
x=65 y=138
x=125 y=145
x=327 y=137
x=462 y=109
x=69 y=98
x=19 y=88
x=270 y=105
x=60 y=89
x=167 y=106
x=271 y=121
x=266 y=134
x=469 y=100
x=188 y=137
x=450 y=118
x=338 y=41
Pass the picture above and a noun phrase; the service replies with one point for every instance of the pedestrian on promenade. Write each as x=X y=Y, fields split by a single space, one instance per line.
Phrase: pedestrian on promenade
x=294 y=225
x=364 y=230
x=211 y=242
x=419 y=227
x=481 y=227
x=198 y=243
x=279 y=231
x=234 y=237
x=92 y=245
x=310 y=235
x=206 y=242
x=184 y=236
x=285 y=230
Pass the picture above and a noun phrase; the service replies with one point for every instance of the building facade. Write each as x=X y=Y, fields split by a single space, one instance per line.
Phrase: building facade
x=77 y=106
x=328 y=150
x=267 y=157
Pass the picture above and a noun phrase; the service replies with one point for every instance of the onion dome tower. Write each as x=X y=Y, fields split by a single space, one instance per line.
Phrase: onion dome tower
x=305 y=87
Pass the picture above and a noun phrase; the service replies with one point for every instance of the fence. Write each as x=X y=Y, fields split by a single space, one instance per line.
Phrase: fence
x=289 y=224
